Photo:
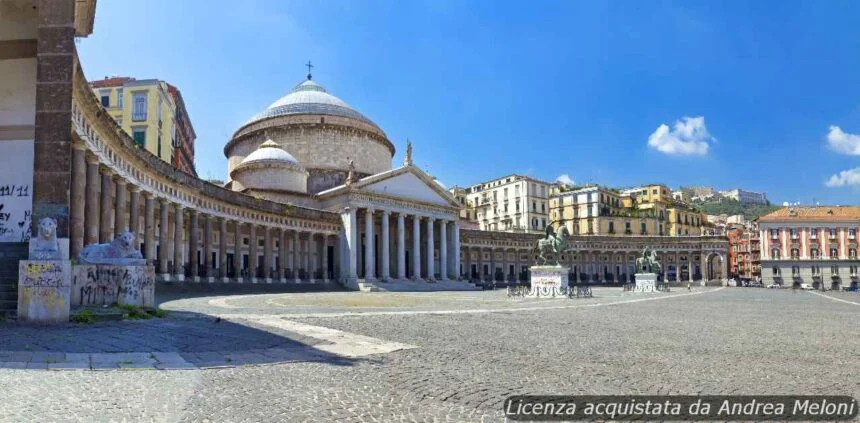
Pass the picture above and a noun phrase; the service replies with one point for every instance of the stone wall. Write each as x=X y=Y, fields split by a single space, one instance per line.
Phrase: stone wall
x=43 y=291
x=97 y=285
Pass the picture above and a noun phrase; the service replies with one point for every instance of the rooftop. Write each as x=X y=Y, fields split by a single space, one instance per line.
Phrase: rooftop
x=831 y=213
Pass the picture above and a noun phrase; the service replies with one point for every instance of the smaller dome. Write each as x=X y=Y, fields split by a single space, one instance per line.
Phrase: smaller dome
x=271 y=152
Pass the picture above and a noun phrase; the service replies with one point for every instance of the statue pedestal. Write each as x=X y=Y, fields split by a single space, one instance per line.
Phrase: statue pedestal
x=549 y=281
x=44 y=291
x=104 y=284
x=645 y=282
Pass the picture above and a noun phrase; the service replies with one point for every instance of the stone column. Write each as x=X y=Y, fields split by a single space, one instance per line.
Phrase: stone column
x=386 y=253
x=492 y=264
x=134 y=214
x=468 y=266
x=282 y=255
x=92 y=208
x=268 y=258
x=401 y=246
x=443 y=250
x=53 y=76
x=178 y=232
x=193 y=244
x=416 y=247
x=324 y=258
x=222 y=249
x=456 y=250
x=369 y=261
x=350 y=220
x=148 y=226
x=237 y=251
x=207 y=248
x=78 y=193
x=121 y=216
x=431 y=249
x=296 y=265
x=306 y=258
x=163 y=242
x=106 y=223
x=253 y=262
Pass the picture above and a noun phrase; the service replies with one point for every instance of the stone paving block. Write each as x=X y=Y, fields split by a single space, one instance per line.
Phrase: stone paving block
x=77 y=358
x=40 y=365
x=69 y=366
x=175 y=366
x=22 y=356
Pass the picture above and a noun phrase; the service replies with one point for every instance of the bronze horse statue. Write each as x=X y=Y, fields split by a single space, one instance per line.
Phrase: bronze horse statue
x=555 y=243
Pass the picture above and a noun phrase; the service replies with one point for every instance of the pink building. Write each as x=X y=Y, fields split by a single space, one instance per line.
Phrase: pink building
x=811 y=245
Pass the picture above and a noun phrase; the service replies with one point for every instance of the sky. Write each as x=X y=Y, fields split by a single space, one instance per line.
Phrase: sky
x=760 y=95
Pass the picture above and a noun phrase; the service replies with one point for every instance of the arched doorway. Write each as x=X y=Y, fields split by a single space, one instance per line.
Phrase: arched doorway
x=714 y=267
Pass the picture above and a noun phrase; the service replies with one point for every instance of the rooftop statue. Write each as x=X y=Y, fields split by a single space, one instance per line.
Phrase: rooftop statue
x=119 y=252
x=553 y=243
x=407 y=161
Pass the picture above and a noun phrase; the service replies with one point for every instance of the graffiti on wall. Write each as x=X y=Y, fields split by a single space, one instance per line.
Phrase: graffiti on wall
x=96 y=285
x=16 y=190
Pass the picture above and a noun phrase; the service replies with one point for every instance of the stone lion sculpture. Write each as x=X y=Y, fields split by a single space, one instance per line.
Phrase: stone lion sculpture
x=44 y=246
x=120 y=251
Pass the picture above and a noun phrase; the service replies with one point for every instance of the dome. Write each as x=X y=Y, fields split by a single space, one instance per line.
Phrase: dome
x=310 y=98
x=270 y=152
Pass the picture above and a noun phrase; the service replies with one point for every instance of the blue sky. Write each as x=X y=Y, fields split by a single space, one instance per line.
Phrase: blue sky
x=748 y=91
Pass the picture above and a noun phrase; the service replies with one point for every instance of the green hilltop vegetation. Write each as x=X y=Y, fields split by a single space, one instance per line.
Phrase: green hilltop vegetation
x=720 y=205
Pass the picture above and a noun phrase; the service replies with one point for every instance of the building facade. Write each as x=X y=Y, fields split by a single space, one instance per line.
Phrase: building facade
x=744 y=253
x=514 y=203
x=144 y=109
x=746 y=197
x=811 y=245
x=183 y=141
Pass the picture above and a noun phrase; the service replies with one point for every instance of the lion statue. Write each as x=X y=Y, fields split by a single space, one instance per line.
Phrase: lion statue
x=44 y=246
x=120 y=251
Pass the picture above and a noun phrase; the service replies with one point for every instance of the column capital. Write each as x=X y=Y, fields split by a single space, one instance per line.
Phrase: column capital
x=119 y=180
x=80 y=146
x=146 y=194
x=386 y=213
x=134 y=188
x=92 y=158
x=369 y=210
x=106 y=171
x=163 y=201
x=431 y=219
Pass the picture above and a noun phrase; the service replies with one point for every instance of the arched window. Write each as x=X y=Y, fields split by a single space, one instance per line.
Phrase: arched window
x=795 y=253
x=775 y=253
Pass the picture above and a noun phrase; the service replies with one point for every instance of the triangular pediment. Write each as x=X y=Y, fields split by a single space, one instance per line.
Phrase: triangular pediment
x=408 y=185
x=407 y=182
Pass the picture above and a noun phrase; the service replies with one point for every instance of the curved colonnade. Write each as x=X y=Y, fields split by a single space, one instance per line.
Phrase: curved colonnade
x=190 y=227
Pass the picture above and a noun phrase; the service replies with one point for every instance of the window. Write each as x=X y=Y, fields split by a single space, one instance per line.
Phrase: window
x=590 y=227
x=139 y=110
x=795 y=270
x=543 y=222
x=832 y=233
x=816 y=271
x=775 y=253
x=159 y=109
x=834 y=253
x=852 y=252
x=814 y=253
x=627 y=227
x=644 y=228
x=795 y=253
x=119 y=97
x=774 y=234
x=851 y=233
x=543 y=207
x=793 y=233
x=534 y=206
x=612 y=227
x=853 y=270
x=775 y=271
x=813 y=233
x=105 y=99
x=139 y=135
x=834 y=270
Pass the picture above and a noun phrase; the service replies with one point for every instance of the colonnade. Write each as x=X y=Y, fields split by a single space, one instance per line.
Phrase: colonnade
x=376 y=246
x=185 y=243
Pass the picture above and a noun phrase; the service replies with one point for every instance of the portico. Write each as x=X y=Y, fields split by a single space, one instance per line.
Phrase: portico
x=399 y=225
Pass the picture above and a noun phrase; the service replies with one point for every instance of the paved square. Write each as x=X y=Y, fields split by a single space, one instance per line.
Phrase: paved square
x=428 y=356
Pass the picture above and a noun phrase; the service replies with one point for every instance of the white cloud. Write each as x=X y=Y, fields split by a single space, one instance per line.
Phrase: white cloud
x=849 y=177
x=689 y=137
x=564 y=179
x=843 y=142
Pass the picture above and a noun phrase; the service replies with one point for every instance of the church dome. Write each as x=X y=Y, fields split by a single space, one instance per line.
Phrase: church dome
x=270 y=152
x=310 y=98
x=270 y=168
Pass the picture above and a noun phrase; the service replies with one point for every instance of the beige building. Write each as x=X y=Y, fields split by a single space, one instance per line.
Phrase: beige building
x=514 y=203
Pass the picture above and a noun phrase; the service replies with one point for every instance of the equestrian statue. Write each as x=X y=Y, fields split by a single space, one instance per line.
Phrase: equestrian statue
x=648 y=263
x=555 y=243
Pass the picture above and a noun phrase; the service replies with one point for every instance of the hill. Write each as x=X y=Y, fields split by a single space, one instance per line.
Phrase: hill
x=732 y=207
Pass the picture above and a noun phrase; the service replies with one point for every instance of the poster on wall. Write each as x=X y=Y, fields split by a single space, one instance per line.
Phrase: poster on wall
x=16 y=190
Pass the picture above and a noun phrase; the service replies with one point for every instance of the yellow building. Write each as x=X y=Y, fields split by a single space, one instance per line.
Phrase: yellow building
x=142 y=108
x=648 y=210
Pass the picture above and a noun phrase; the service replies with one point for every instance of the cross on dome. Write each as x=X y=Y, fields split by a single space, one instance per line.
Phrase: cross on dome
x=309 y=65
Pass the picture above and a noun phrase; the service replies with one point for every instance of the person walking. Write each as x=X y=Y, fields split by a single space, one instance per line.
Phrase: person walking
x=689 y=286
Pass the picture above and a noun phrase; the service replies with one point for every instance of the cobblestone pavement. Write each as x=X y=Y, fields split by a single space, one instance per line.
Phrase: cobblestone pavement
x=435 y=357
